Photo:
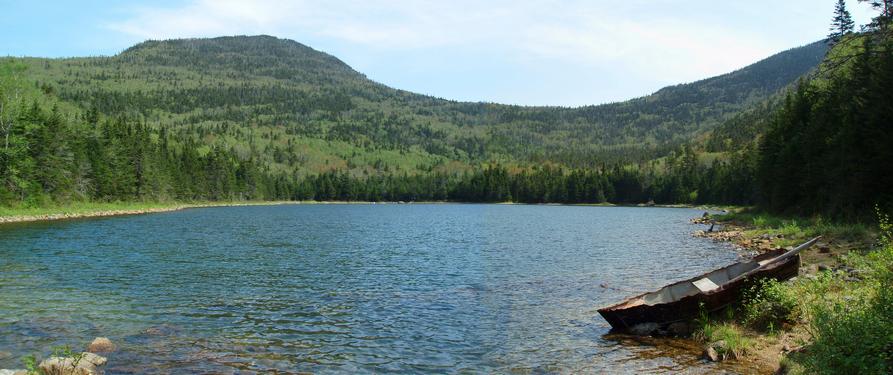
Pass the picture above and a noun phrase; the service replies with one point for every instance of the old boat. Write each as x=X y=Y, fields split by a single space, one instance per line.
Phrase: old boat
x=714 y=290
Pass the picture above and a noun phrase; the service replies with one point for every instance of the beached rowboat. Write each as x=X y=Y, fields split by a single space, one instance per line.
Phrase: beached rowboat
x=682 y=301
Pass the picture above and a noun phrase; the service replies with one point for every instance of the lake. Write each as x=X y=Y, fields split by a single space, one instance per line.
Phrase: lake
x=348 y=288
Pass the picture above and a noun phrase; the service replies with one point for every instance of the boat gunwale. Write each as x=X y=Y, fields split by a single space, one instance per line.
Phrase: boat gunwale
x=780 y=256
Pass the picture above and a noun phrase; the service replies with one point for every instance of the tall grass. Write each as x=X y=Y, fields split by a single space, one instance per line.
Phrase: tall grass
x=851 y=322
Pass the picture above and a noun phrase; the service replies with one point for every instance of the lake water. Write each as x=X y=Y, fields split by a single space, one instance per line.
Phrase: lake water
x=348 y=288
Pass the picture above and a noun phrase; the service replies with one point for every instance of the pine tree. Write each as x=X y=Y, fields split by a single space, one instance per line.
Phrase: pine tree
x=842 y=23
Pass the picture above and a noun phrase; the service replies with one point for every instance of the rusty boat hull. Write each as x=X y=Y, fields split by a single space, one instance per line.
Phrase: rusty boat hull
x=684 y=300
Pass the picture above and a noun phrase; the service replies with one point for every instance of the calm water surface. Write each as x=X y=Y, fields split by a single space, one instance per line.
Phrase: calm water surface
x=348 y=288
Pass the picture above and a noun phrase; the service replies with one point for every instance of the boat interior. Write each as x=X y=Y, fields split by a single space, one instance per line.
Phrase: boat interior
x=710 y=281
x=704 y=283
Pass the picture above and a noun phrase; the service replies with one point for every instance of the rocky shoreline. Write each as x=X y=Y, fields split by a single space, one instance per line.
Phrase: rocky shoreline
x=83 y=215
x=126 y=212
x=84 y=363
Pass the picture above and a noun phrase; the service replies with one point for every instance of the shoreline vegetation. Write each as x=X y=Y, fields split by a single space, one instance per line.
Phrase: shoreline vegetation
x=833 y=318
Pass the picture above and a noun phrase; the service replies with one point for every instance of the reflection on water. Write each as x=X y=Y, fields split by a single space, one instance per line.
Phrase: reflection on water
x=350 y=288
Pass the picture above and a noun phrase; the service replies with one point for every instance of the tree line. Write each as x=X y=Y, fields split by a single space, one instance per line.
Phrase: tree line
x=48 y=157
x=822 y=150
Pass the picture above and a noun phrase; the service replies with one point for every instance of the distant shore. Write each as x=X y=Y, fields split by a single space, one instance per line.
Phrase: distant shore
x=96 y=210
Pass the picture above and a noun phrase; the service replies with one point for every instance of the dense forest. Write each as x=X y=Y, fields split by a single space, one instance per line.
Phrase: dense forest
x=259 y=118
x=308 y=112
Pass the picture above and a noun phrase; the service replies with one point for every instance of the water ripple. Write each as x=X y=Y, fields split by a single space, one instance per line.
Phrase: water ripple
x=343 y=288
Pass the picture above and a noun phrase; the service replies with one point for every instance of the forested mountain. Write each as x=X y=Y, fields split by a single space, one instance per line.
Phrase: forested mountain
x=302 y=110
x=262 y=118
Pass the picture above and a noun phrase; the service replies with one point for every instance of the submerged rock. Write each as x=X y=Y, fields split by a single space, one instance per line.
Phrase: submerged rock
x=644 y=329
x=680 y=329
x=101 y=345
x=87 y=364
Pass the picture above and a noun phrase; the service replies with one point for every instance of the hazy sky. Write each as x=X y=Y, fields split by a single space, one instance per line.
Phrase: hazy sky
x=515 y=51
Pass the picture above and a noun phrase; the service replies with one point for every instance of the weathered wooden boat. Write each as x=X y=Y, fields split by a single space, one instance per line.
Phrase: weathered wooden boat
x=683 y=301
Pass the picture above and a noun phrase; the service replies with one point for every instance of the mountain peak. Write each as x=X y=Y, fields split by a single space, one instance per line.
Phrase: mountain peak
x=256 y=54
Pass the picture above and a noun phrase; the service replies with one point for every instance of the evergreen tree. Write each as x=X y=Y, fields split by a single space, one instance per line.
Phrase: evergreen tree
x=842 y=23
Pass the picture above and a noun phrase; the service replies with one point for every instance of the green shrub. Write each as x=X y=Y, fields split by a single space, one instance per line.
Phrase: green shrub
x=853 y=332
x=769 y=304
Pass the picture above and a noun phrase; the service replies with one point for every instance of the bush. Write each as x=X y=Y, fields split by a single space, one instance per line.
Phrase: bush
x=853 y=333
x=769 y=304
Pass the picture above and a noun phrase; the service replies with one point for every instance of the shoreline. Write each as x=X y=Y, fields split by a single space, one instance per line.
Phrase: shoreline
x=99 y=210
x=778 y=350
x=70 y=213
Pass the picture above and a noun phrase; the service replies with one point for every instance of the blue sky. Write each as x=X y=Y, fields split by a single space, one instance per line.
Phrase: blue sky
x=531 y=52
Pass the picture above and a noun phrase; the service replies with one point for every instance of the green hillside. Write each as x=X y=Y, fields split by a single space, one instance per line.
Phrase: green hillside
x=259 y=118
x=303 y=110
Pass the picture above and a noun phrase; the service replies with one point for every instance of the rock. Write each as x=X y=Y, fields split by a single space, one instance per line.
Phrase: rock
x=712 y=355
x=680 y=329
x=101 y=345
x=13 y=372
x=716 y=351
x=88 y=364
x=823 y=268
x=644 y=329
x=5 y=355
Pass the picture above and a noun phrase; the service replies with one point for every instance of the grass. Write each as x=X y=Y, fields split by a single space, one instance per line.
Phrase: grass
x=851 y=319
x=795 y=230
x=736 y=343
x=841 y=319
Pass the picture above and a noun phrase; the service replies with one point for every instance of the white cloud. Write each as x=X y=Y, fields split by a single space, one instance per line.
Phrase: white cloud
x=660 y=40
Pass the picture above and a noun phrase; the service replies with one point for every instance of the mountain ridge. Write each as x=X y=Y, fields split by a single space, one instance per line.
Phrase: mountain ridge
x=223 y=91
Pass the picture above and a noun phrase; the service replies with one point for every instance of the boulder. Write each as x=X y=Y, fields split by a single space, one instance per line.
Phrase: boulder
x=13 y=372
x=87 y=364
x=101 y=345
